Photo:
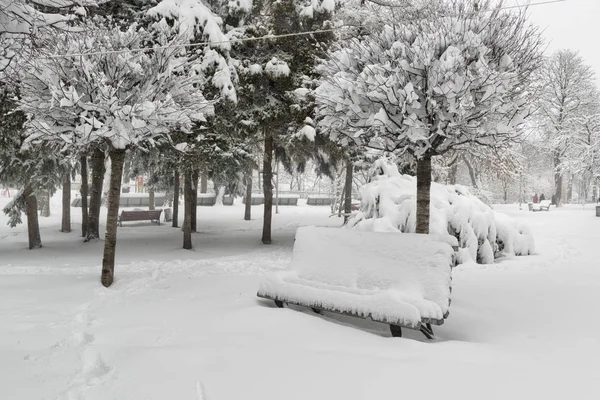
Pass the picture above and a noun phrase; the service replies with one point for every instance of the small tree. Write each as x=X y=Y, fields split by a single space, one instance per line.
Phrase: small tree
x=115 y=94
x=450 y=78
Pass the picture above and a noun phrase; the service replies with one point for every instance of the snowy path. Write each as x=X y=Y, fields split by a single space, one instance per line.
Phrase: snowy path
x=193 y=328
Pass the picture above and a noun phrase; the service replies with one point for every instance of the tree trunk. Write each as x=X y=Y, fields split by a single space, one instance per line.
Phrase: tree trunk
x=98 y=171
x=117 y=159
x=176 y=199
x=203 y=184
x=452 y=174
x=66 y=203
x=348 y=190
x=472 y=173
x=423 y=193
x=248 y=205
x=45 y=204
x=570 y=189
x=188 y=192
x=33 y=226
x=558 y=181
x=151 y=205
x=194 y=198
x=84 y=195
x=268 y=187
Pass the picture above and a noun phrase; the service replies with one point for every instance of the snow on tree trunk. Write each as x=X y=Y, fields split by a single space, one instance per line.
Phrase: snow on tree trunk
x=66 y=203
x=117 y=159
x=220 y=193
x=33 y=226
x=248 y=205
x=44 y=204
x=423 y=193
x=194 y=198
x=83 y=190
x=98 y=170
x=268 y=186
x=348 y=190
x=558 y=181
x=175 y=223
x=188 y=193
x=151 y=205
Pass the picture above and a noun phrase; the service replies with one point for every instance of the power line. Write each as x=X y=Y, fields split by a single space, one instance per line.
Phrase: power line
x=241 y=40
x=200 y=44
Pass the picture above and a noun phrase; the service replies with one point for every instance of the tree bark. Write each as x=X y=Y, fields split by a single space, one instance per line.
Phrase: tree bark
x=66 y=203
x=117 y=159
x=33 y=225
x=203 y=184
x=188 y=192
x=176 y=199
x=151 y=205
x=348 y=190
x=268 y=187
x=98 y=171
x=84 y=195
x=248 y=205
x=423 y=193
x=194 y=199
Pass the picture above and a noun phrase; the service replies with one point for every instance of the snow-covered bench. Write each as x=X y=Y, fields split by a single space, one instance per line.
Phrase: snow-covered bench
x=542 y=205
x=400 y=279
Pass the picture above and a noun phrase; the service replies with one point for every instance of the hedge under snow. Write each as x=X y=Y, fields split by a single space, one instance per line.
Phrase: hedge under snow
x=388 y=205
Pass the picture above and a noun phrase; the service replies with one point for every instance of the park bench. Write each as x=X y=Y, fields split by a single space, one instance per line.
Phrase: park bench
x=542 y=205
x=399 y=279
x=140 y=215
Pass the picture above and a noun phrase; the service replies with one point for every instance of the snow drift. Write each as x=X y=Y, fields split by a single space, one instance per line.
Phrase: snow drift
x=388 y=205
x=403 y=281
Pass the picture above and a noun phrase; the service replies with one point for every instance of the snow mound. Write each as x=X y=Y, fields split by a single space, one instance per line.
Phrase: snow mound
x=388 y=204
x=403 y=280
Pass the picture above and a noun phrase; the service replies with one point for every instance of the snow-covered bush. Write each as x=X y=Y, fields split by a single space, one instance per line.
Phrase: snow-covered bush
x=388 y=205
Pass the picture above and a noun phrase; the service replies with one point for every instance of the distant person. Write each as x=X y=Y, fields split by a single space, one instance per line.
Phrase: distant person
x=553 y=199
x=542 y=197
x=535 y=198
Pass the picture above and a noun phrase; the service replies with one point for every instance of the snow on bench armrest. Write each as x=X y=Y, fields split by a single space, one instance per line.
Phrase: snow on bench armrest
x=399 y=278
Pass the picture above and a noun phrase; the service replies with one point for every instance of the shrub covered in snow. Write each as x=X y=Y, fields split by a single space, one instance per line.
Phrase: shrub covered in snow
x=388 y=205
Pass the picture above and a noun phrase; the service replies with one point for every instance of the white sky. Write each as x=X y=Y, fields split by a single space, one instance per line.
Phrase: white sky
x=572 y=24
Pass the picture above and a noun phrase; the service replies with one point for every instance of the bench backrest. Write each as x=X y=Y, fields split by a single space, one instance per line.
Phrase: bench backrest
x=140 y=215
x=411 y=264
x=545 y=203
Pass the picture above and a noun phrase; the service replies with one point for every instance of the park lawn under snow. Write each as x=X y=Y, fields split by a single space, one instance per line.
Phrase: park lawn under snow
x=187 y=325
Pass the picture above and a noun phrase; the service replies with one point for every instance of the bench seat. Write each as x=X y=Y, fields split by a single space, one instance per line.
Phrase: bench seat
x=399 y=279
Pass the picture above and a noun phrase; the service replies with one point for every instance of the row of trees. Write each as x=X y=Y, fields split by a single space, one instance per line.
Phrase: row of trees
x=217 y=88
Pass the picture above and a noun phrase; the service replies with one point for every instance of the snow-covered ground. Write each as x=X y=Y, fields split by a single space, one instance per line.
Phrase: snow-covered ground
x=187 y=325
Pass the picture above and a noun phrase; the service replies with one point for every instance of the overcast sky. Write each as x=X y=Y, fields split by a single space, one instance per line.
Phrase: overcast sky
x=572 y=24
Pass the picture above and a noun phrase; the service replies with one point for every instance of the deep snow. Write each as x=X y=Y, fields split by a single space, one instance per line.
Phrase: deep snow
x=523 y=328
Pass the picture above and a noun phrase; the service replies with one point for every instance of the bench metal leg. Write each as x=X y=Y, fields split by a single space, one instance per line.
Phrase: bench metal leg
x=316 y=310
x=278 y=303
x=396 y=330
x=427 y=330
